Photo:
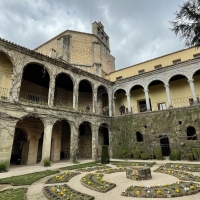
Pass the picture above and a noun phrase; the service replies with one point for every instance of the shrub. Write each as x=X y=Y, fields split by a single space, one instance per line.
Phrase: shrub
x=189 y=156
x=175 y=155
x=124 y=153
x=158 y=154
x=145 y=156
x=137 y=153
x=3 y=167
x=47 y=163
x=105 y=158
x=196 y=153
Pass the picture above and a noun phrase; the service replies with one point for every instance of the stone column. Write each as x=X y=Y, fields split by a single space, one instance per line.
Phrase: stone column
x=168 y=96
x=110 y=101
x=74 y=148
x=114 y=98
x=129 y=102
x=46 y=148
x=51 y=92
x=146 y=92
x=94 y=141
x=194 y=96
x=95 y=100
x=75 y=97
x=33 y=147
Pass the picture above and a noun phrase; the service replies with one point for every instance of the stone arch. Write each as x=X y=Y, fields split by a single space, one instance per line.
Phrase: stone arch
x=102 y=100
x=64 y=86
x=6 y=72
x=60 y=142
x=180 y=90
x=85 y=92
x=31 y=150
x=120 y=100
x=196 y=78
x=34 y=89
x=157 y=95
x=139 y=137
x=191 y=133
x=85 y=140
x=137 y=99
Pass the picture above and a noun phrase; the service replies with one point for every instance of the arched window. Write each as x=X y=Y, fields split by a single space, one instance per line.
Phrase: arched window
x=191 y=133
x=139 y=137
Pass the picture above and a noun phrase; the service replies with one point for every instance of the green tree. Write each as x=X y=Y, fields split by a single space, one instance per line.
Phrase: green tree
x=187 y=23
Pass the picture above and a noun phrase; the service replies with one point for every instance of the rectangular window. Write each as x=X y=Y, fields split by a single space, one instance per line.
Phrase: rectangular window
x=196 y=55
x=119 y=77
x=157 y=66
x=141 y=71
x=162 y=106
x=191 y=101
x=176 y=61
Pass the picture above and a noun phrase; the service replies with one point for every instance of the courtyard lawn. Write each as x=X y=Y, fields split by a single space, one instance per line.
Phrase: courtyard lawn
x=13 y=194
x=27 y=179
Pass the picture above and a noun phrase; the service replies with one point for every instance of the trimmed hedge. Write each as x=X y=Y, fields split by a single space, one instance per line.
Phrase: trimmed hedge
x=196 y=153
x=137 y=153
x=175 y=155
x=158 y=154
x=145 y=156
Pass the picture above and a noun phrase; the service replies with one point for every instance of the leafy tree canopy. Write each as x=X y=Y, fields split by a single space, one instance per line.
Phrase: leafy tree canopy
x=187 y=23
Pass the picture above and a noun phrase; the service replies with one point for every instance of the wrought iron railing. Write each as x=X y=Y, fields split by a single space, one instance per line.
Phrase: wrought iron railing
x=4 y=93
x=63 y=104
x=33 y=98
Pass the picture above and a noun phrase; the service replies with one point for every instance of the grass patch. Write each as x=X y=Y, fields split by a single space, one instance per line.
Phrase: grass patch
x=131 y=163
x=27 y=179
x=13 y=194
x=78 y=166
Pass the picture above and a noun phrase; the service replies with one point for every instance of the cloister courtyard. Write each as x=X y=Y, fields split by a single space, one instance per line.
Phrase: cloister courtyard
x=91 y=180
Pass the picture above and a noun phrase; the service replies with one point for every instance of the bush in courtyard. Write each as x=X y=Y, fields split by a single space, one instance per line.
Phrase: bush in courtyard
x=175 y=155
x=158 y=154
x=137 y=153
x=196 y=153
x=47 y=163
x=145 y=156
x=105 y=158
x=189 y=156
x=3 y=167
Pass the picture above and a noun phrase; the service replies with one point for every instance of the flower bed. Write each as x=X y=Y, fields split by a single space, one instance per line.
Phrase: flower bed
x=135 y=164
x=93 y=168
x=64 y=192
x=95 y=182
x=177 y=173
x=183 y=167
x=64 y=177
x=162 y=191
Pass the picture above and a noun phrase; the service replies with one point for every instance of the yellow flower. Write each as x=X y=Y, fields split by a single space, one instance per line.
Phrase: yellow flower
x=138 y=192
x=89 y=183
x=192 y=187
x=53 y=189
x=102 y=187
x=177 y=190
x=159 y=192
x=66 y=172
x=165 y=185
x=102 y=180
x=176 y=166
x=141 y=186
x=61 y=178
x=133 y=164
x=155 y=185
x=169 y=171
x=71 y=195
x=57 y=176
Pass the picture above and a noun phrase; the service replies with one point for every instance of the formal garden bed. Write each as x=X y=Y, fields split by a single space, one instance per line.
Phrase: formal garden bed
x=64 y=192
x=182 y=166
x=128 y=164
x=162 y=191
x=63 y=177
x=179 y=171
x=95 y=182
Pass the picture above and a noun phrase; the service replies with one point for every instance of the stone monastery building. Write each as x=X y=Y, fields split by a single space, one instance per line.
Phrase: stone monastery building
x=57 y=101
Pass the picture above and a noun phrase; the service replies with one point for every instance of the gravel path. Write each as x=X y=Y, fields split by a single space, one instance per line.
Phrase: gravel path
x=34 y=191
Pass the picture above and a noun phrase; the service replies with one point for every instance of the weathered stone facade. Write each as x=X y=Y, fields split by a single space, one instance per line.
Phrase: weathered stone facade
x=53 y=109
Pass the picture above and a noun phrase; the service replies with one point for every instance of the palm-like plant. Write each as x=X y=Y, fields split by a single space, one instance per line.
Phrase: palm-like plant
x=187 y=23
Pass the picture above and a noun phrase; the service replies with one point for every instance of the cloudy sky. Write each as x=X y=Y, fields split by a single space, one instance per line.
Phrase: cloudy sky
x=138 y=29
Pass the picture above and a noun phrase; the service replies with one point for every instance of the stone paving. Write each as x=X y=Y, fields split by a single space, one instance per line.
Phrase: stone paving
x=34 y=191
